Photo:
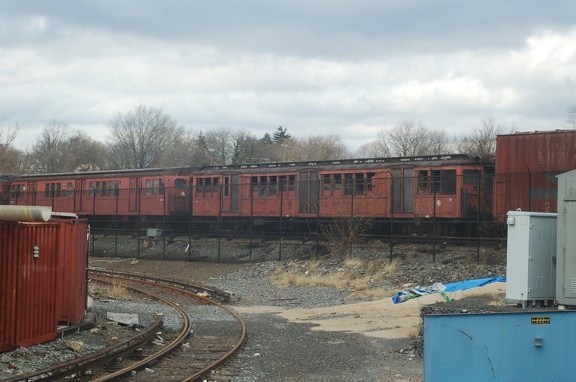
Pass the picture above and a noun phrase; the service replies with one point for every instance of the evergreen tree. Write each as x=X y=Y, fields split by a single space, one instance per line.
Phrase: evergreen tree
x=280 y=135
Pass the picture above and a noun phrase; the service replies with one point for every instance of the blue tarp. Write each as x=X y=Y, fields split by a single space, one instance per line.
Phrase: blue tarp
x=411 y=293
x=463 y=285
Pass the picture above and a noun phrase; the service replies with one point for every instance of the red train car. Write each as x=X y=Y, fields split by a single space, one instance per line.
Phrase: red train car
x=451 y=187
x=128 y=194
x=448 y=188
x=526 y=168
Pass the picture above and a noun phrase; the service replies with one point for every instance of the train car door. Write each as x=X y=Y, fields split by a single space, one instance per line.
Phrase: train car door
x=134 y=197
x=230 y=193
x=309 y=192
x=31 y=193
x=402 y=190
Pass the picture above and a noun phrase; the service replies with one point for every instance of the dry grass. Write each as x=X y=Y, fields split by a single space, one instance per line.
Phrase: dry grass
x=362 y=277
x=414 y=333
x=117 y=291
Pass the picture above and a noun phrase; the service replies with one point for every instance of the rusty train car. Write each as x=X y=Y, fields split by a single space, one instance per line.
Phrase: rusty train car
x=125 y=194
x=448 y=188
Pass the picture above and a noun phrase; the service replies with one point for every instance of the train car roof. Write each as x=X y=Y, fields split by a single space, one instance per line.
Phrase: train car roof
x=182 y=171
x=427 y=160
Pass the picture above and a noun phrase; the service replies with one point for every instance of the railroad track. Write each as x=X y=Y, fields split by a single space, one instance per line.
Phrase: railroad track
x=176 y=356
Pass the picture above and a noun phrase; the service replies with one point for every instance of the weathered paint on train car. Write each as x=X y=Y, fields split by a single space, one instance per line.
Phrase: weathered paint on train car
x=526 y=169
x=71 y=279
x=28 y=254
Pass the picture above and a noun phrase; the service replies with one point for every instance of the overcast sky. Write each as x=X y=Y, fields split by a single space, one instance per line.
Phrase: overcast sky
x=351 y=68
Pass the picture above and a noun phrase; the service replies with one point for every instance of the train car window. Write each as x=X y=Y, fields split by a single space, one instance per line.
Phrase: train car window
x=18 y=191
x=148 y=187
x=472 y=177
x=263 y=185
x=326 y=182
x=69 y=191
x=58 y=189
x=207 y=185
x=199 y=185
x=282 y=182
x=348 y=182
x=226 y=186
x=180 y=183
x=292 y=183
x=92 y=189
x=273 y=185
x=155 y=186
x=435 y=181
x=162 y=187
x=47 y=190
x=338 y=182
x=369 y=183
x=359 y=181
x=448 y=182
x=423 y=180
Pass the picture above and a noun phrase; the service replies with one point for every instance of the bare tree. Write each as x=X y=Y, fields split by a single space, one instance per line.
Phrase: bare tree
x=7 y=154
x=190 y=150
x=61 y=149
x=482 y=139
x=412 y=138
x=82 y=153
x=319 y=147
x=138 y=138
x=375 y=149
x=49 y=149
x=219 y=144
x=572 y=115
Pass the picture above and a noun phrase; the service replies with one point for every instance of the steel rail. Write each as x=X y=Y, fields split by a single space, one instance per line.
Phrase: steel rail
x=220 y=294
x=184 y=332
x=164 y=283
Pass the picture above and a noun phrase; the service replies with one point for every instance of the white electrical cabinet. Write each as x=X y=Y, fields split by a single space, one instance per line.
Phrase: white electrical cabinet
x=531 y=258
x=566 y=270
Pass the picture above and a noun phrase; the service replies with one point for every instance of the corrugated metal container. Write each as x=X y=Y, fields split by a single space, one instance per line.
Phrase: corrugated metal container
x=527 y=346
x=28 y=253
x=526 y=168
x=71 y=277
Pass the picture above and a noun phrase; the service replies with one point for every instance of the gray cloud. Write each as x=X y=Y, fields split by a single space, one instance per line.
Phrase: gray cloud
x=348 y=68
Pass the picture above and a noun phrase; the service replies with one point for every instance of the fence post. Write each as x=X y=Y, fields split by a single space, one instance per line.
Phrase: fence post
x=163 y=185
x=251 y=219
x=138 y=216
x=190 y=215
x=391 y=215
x=280 y=228
x=116 y=191
x=220 y=185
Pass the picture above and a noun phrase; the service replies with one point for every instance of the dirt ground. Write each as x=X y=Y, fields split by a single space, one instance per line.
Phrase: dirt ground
x=379 y=318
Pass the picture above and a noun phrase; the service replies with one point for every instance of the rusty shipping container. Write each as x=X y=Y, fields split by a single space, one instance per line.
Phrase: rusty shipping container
x=72 y=265
x=526 y=169
x=28 y=264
